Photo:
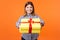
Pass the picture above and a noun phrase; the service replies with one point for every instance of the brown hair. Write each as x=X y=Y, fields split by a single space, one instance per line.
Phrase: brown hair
x=29 y=2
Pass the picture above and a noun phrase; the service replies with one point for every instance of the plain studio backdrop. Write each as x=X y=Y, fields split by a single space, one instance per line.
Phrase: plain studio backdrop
x=48 y=10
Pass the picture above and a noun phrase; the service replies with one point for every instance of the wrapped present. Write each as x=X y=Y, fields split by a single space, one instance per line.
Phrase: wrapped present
x=30 y=25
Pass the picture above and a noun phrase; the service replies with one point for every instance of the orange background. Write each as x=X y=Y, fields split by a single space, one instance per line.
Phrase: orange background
x=48 y=10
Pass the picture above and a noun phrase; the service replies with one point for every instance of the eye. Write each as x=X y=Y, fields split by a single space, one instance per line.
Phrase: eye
x=31 y=7
x=27 y=7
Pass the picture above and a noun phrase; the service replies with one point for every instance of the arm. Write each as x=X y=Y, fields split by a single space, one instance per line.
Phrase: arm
x=41 y=21
x=18 y=22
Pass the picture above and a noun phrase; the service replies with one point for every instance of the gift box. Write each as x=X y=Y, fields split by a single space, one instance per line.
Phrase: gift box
x=30 y=25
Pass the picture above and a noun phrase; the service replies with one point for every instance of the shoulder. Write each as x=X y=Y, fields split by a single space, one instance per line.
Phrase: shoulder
x=21 y=16
x=37 y=16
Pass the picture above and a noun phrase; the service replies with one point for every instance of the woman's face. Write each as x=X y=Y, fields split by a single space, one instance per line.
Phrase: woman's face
x=29 y=9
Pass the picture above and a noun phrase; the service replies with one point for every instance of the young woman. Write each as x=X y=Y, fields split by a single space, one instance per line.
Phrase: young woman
x=29 y=13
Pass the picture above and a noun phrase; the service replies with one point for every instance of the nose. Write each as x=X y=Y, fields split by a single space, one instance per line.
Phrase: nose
x=29 y=8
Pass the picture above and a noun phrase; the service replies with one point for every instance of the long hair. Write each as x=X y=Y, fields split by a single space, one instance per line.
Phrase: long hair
x=29 y=3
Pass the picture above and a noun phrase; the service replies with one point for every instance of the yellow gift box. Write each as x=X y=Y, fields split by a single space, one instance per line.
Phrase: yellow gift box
x=30 y=25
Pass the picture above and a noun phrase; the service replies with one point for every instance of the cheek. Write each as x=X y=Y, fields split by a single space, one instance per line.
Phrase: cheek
x=31 y=9
x=26 y=9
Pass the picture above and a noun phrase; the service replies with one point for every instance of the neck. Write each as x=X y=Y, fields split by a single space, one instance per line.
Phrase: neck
x=28 y=14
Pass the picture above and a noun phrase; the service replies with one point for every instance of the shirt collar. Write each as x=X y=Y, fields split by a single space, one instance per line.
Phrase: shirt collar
x=28 y=14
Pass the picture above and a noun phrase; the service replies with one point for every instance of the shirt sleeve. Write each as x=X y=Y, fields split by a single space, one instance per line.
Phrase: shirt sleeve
x=41 y=21
x=19 y=21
